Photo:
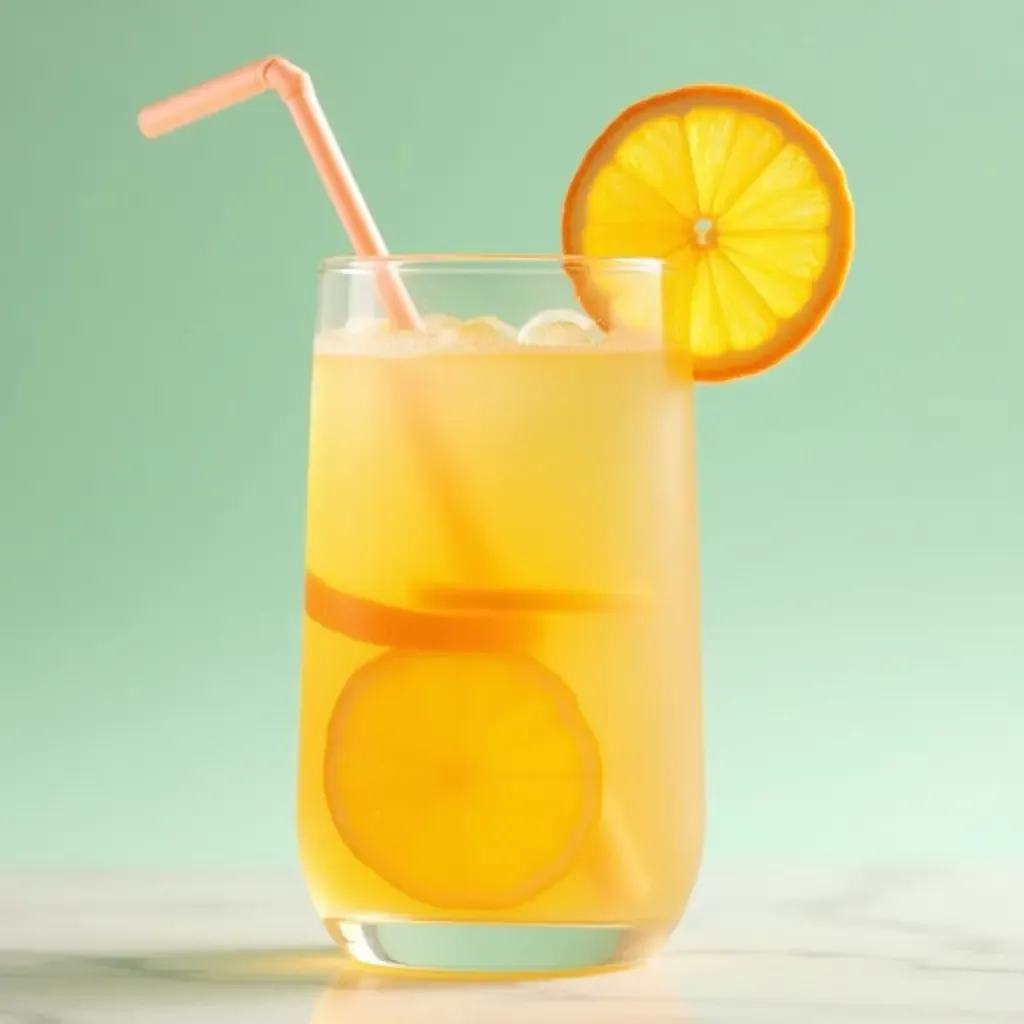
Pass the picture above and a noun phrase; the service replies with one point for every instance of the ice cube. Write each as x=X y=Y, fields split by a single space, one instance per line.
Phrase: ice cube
x=437 y=323
x=484 y=333
x=507 y=331
x=559 y=328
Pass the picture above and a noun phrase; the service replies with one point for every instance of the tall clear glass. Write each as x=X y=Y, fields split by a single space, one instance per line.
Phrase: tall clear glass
x=500 y=742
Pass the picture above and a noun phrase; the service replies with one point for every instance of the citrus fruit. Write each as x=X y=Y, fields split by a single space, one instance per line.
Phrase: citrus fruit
x=466 y=781
x=521 y=599
x=373 y=622
x=741 y=197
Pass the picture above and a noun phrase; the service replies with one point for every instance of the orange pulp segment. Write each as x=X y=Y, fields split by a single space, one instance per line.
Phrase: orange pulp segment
x=467 y=781
x=741 y=197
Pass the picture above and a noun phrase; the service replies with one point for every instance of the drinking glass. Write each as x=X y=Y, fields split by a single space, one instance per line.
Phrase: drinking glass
x=500 y=742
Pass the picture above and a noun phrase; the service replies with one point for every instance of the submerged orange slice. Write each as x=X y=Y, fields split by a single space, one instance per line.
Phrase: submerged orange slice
x=372 y=622
x=494 y=600
x=467 y=781
x=745 y=201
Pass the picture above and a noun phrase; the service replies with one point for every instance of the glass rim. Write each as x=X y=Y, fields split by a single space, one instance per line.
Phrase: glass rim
x=489 y=262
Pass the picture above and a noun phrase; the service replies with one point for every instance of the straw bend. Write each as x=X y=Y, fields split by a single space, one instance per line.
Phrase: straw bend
x=295 y=88
x=275 y=73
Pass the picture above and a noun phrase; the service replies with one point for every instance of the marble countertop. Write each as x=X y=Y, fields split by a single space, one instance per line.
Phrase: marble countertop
x=783 y=945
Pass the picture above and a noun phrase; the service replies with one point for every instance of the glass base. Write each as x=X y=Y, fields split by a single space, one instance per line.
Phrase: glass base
x=505 y=951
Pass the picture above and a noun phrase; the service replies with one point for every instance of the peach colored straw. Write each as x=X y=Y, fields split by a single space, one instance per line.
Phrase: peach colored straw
x=617 y=870
x=295 y=88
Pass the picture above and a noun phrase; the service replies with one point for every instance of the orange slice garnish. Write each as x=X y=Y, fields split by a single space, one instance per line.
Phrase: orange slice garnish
x=741 y=197
x=466 y=781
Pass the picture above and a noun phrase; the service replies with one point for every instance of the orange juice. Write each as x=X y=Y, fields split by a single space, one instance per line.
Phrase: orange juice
x=540 y=767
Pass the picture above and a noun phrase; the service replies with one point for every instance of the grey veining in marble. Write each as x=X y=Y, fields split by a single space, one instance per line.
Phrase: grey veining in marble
x=883 y=945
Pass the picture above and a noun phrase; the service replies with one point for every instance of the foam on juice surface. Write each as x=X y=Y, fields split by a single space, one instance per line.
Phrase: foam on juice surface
x=547 y=331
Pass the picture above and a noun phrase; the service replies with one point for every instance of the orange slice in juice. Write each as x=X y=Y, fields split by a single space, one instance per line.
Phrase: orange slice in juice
x=467 y=781
x=745 y=201
x=493 y=600
x=372 y=622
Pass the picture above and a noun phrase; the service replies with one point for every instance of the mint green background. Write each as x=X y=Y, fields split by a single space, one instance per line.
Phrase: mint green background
x=863 y=505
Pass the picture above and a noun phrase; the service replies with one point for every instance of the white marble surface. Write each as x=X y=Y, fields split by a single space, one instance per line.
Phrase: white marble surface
x=782 y=945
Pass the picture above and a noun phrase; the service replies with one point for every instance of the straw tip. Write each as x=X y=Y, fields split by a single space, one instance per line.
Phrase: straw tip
x=147 y=124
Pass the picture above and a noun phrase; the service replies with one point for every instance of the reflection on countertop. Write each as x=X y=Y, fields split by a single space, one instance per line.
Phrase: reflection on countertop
x=884 y=945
